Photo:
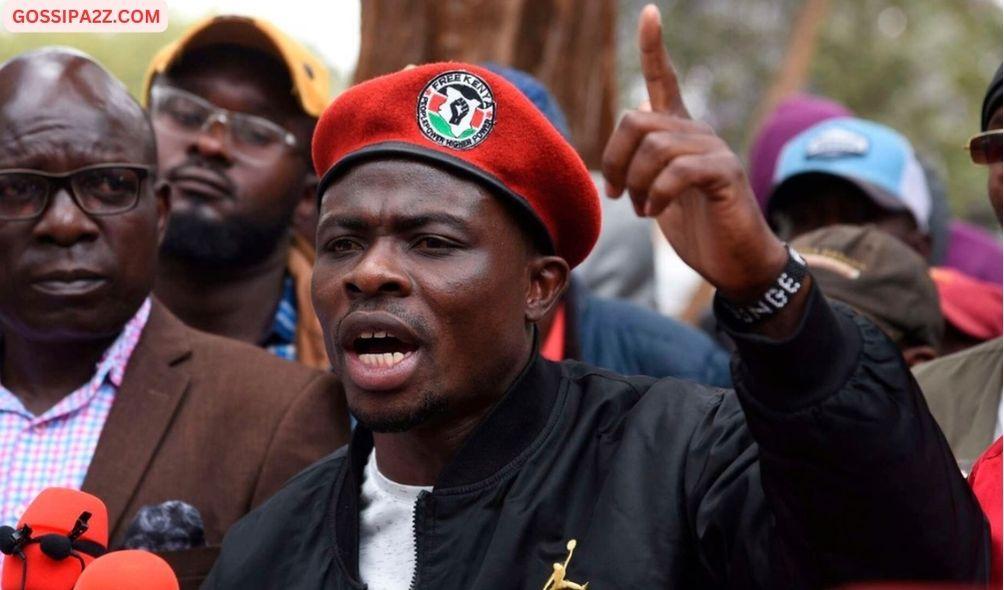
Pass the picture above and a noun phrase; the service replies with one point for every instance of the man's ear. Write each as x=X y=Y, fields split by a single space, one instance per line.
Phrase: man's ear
x=920 y=243
x=162 y=195
x=548 y=280
x=305 y=214
x=915 y=355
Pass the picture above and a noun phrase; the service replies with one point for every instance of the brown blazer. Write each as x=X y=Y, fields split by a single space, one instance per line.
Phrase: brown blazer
x=212 y=422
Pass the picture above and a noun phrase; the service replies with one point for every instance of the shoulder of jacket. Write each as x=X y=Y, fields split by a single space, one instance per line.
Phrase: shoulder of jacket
x=943 y=378
x=301 y=492
x=290 y=512
x=320 y=474
x=247 y=363
x=991 y=348
x=679 y=394
x=248 y=379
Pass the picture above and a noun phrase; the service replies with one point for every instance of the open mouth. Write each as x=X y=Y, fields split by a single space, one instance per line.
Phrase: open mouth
x=381 y=349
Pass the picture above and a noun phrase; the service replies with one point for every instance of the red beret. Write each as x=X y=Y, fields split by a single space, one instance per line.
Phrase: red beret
x=471 y=122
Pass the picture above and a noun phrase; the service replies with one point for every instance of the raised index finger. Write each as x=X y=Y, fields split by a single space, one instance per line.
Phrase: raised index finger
x=656 y=67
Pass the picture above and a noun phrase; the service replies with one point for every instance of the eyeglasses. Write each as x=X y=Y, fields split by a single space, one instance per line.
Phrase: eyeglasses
x=103 y=189
x=985 y=148
x=183 y=114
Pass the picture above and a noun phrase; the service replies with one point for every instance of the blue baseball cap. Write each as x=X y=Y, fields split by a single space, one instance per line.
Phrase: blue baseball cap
x=873 y=157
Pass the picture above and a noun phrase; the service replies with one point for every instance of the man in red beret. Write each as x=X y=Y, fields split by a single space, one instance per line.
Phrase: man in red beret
x=450 y=214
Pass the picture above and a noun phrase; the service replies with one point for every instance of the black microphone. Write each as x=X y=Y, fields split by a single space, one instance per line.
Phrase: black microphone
x=170 y=526
x=56 y=546
x=7 y=539
x=12 y=539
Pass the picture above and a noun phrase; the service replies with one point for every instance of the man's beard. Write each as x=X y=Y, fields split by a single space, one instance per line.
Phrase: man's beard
x=429 y=407
x=232 y=243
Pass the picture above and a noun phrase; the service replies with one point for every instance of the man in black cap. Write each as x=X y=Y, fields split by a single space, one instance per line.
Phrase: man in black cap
x=450 y=214
x=985 y=148
x=964 y=389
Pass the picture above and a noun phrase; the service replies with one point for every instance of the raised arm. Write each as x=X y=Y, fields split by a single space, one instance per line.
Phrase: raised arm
x=850 y=478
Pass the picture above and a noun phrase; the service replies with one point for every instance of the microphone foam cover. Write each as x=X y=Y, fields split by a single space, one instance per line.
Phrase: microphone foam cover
x=6 y=539
x=57 y=547
x=55 y=511
x=128 y=570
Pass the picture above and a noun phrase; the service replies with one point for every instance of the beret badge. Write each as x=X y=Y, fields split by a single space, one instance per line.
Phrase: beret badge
x=456 y=109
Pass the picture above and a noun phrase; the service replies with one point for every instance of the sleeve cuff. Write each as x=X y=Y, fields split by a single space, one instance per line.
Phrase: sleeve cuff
x=801 y=370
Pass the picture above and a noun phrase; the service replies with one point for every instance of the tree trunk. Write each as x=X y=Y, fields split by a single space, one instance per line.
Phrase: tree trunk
x=794 y=71
x=567 y=44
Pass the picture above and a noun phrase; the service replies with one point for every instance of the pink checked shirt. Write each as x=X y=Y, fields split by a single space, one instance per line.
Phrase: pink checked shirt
x=56 y=448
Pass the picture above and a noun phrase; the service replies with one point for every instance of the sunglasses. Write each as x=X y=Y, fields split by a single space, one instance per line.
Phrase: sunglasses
x=985 y=148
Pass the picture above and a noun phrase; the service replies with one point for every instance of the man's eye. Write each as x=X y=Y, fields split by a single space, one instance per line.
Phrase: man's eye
x=434 y=243
x=343 y=245
x=184 y=113
x=257 y=133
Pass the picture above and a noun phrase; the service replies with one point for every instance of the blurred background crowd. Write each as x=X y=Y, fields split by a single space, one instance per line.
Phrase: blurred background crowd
x=913 y=66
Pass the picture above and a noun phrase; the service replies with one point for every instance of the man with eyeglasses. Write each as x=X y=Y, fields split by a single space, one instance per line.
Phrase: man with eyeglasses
x=234 y=103
x=963 y=390
x=102 y=388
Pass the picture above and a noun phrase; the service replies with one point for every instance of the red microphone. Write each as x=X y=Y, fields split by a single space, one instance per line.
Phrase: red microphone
x=130 y=569
x=61 y=532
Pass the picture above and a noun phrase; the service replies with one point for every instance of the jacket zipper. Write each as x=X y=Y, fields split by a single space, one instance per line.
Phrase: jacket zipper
x=414 y=536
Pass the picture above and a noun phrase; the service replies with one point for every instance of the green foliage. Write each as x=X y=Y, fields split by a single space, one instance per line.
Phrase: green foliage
x=926 y=81
x=920 y=66
x=126 y=55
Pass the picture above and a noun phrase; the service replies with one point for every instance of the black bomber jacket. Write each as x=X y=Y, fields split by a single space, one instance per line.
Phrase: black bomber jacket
x=824 y=466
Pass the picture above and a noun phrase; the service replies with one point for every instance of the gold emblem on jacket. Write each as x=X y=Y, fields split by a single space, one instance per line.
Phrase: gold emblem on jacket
x=557 y=580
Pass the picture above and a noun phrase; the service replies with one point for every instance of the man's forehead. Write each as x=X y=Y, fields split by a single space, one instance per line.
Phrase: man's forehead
x=405 y=186
x=404 y=173
x=52 y=140
x=60 y=103
x=409 y=208
x=237 y=94
x=247 y=80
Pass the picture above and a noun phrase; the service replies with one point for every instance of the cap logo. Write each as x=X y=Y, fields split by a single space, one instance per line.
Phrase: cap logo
x=456 y=109
x=834 y=262
x=837 y=143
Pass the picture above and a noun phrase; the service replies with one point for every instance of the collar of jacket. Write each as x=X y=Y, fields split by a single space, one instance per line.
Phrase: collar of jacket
x=497 y=447
x=152 y=389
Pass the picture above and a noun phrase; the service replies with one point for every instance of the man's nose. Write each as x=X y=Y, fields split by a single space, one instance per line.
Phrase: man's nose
x=378 y=272
x=212 y=141
x=64 y=223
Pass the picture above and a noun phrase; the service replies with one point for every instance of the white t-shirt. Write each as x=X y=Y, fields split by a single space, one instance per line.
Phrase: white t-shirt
x=386 y=536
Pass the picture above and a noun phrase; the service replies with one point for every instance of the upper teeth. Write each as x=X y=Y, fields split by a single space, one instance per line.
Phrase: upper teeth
x=368 y=335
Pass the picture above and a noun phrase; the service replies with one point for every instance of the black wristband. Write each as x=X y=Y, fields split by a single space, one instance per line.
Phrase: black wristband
x=775 y=298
